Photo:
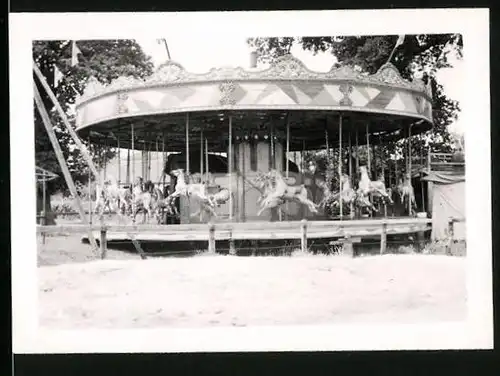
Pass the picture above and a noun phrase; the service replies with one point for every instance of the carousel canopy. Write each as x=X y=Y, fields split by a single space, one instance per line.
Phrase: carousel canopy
x=156 y=110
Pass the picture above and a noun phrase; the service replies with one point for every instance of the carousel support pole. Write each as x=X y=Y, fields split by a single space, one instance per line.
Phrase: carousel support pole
x=44 y=197
x=303 y=168
x=90 y=190
x=327 y=137
x=396 y=182
x=287 y=146
x=230 y=167
x=374 y=161
x=369 y=165
x=273 y=160
x=201 y=166
x=158 y=164
x=302 y=157
x=368 y=152
x=357 y=151
x=340 y=167
x=351 y=212
x=133 y=170
x=60 y=158
x=350 y=157
x=188 y=170
x=287 y=156
x=150 y=146
x=421 y=181
x=202 y=169
x=163 y=160
x=128 y=167
x=206 y=159
x=104 y=161
x=273 y=156
x=382 y=163
x=409 y=166
x=119 y=161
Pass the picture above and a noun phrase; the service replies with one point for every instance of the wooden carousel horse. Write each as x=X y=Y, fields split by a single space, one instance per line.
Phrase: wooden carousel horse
x=281 y=192
x=110 y=196
x=351 y=198
x=263 y=183
x=375 y=187
x=198 y=190
x=142 y=198
x=405 y=190
x=329 y=197
x=219 y=198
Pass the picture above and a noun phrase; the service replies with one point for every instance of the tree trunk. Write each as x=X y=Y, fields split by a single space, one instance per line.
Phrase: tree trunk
x=50 y=217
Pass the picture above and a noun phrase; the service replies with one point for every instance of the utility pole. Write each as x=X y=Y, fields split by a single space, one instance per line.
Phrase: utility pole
x=164 y=41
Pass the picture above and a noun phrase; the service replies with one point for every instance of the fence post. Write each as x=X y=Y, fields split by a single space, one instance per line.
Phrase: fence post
x=348 y=248
x=42 y=222
x=383 y=238
x=232 y=249
x=211 y=238
x=303 y=238
x=103 y=242
x=420 y=240
x=450 y=236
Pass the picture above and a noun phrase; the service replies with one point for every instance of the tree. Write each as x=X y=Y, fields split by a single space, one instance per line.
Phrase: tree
x=420 y=56
x=105 y=60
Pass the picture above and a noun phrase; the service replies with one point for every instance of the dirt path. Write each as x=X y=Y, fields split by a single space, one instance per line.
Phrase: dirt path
x=211 y=290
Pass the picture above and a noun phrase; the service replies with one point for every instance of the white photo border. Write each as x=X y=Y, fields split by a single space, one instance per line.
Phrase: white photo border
x=474 y=333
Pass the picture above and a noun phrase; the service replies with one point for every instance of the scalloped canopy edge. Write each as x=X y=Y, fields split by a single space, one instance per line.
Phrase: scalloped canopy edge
x=285 y=67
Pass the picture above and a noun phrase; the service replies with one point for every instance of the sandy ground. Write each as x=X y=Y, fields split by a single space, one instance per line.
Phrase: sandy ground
x=216 y=290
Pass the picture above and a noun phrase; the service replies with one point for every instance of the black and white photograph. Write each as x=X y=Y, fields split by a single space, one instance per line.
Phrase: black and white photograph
x=231 y=182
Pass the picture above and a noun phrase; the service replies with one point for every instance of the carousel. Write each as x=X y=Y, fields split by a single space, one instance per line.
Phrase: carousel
x=233 y=142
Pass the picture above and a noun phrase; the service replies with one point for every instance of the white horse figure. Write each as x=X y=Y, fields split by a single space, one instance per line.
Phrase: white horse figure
x=219 y=198
x=405 y=190
x=367 y=186
x=120 y=198
x=142 y=199
x=264 y=184
x=198 y=190
x=348 y=195
x=107 y=196
x=282 y=192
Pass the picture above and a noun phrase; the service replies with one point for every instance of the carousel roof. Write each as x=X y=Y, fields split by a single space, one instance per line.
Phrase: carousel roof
x=157 y=106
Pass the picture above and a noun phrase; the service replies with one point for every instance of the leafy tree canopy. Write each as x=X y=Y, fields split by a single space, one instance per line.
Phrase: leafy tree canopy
x=102 y=59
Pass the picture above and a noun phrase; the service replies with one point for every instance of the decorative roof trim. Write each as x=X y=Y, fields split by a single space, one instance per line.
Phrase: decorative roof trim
x=286 y=67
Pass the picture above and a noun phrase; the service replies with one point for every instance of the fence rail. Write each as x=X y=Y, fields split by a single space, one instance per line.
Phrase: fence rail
x=347 y=231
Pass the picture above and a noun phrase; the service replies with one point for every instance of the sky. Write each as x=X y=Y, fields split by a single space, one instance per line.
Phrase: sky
x=198 y=56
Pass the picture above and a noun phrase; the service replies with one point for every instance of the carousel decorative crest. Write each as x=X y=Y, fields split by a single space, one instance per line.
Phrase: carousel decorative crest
x=124 y=83
x=224 y=73
x=288 y=66
x=167 y=72
x=345 y=72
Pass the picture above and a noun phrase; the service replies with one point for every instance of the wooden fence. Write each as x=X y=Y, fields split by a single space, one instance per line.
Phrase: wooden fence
x=349 y=232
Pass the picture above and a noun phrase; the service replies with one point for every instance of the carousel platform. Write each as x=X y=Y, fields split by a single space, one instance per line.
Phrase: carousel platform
x=364 y=228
